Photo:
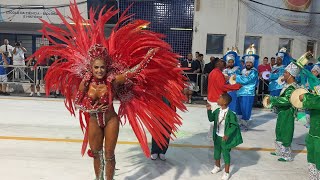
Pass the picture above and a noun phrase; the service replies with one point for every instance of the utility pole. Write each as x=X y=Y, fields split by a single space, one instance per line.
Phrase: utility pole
x=238 y=25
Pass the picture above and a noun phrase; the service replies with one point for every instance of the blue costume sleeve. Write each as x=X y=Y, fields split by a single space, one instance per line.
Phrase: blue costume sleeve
x=274 y=76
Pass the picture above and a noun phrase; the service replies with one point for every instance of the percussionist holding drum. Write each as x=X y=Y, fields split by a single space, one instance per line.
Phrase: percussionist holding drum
x=248 y=79
x=286 y=112
x=283 y=59
x=233 y=62
x=311 y=102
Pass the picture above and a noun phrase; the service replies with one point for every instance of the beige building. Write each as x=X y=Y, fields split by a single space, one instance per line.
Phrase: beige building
x=219 y=24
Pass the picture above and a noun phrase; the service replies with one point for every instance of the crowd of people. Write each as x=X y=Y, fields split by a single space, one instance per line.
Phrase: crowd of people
x=15 y=68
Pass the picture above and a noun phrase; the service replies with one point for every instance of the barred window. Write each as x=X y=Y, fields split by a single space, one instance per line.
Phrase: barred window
x=215 y=43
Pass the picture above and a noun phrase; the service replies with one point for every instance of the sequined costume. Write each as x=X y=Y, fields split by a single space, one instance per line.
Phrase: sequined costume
x=311 y=102
x=286 y=111
x=144 y=63
x=232 y=55
x=246 y=94
x=285 y=121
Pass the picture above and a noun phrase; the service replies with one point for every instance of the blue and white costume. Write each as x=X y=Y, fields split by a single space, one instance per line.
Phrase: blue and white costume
x=232 y=55
x=246 y=94
x=277 y=71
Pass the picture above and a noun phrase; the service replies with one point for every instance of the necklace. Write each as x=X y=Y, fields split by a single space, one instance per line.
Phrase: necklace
x=223 y=118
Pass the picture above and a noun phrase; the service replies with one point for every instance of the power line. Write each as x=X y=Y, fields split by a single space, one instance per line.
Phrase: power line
x=283 y=8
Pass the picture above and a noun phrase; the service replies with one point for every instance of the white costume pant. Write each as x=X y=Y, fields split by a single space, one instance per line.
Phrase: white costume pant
x=19 y=72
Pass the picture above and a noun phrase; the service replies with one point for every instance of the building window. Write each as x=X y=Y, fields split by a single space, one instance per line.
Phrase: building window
x=285 y=42
x=311 y=46
x=248 y=40
x=41 y=41
x=215 y=43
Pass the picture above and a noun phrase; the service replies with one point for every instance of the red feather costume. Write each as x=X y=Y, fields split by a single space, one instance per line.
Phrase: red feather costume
x=148 y=63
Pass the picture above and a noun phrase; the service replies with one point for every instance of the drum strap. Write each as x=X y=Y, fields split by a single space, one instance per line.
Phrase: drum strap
x=314 y=136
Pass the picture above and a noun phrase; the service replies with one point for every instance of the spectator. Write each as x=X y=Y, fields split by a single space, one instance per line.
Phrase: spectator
x=51 y=60
x=18 y=60
x=197 y=54
x=201 y=62
x=264 y=66
x=36 y=77
x=263 y=83
x=210 y=66
x=4 y=61
x=194 y=67
x=6 y=48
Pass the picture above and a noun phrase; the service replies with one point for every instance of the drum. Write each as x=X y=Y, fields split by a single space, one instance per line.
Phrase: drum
x=265 y=102
x=294 y=99
x=266 y=75
x=231 y=80
x=280 y=82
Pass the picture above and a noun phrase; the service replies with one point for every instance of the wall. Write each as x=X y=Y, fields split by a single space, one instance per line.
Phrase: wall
x=165 y=15
x=220 y=17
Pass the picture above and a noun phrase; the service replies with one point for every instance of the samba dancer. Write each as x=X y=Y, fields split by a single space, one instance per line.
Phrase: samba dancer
x=94 y=70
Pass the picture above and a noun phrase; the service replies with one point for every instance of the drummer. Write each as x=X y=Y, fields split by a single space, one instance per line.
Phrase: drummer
x=286 y=112
x=315 y=72
x=310 y=101
x=277 y=71
x=233 y=61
